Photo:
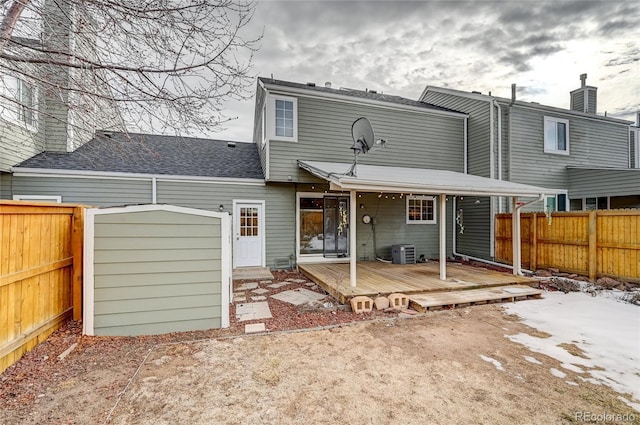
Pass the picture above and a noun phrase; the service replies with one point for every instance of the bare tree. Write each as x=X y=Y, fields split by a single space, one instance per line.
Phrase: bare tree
x=167 y=64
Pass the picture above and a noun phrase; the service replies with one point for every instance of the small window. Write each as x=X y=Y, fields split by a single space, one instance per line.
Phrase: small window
x=282 y=118
x=18 y=101
x=555 y=203
x=556 y=135
x=421 y=210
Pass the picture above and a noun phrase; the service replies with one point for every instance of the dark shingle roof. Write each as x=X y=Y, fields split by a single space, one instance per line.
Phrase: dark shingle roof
x=155 y=154
x=362 y=94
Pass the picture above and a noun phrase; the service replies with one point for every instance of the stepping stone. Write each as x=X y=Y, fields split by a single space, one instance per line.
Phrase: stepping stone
x=264 y=282
x=260 y=291
x=310 y=284
x=239 y=299
x=247 y=286
x=253 y=311
x=259 y=298
x=299 y=296
x=254 y=328
x=277 y=285
x=298 y=280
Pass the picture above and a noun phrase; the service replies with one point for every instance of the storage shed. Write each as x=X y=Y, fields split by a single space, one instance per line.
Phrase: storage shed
x=152 y=269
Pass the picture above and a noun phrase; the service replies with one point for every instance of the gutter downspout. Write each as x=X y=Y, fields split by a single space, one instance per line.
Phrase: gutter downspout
x=492 y=208
x=465 y=144
x=515 y=233
x=499 y=159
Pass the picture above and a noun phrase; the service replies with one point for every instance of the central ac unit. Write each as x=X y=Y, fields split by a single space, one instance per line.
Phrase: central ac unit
x=403 y=253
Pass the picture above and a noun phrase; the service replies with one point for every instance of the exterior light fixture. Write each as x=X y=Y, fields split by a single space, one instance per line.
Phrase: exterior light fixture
x=221 y=208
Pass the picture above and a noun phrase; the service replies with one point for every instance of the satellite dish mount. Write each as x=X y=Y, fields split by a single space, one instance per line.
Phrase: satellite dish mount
x=364 y=140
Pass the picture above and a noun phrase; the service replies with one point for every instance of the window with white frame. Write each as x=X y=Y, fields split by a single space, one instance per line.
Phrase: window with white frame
x=553 y=203
x=18 y=101
x=421 y=210
x=282 y=118
x=556 y=135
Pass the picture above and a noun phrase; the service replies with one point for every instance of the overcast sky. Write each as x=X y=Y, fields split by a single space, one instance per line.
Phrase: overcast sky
x=401 y=47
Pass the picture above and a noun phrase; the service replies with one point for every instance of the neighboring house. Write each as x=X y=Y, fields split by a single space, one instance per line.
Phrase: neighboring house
x=589 y=158
x=34 y=120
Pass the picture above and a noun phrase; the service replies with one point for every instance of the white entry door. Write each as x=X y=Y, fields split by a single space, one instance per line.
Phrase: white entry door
x=248 y=238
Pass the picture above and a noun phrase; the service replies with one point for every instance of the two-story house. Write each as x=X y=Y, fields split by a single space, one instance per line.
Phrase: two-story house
x=290 y=192
x=591 y=159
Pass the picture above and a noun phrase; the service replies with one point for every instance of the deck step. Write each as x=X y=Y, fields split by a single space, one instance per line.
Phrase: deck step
x=452 y=299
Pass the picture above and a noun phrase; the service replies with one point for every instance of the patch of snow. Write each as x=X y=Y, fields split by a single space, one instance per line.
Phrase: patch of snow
x=572 y=368
x=606 y=330
x=496 y=363
x=558 y=373
x=532 y=360
x=573 y=384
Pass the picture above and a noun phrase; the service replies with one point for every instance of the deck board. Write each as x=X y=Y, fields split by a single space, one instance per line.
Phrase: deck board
x=427 y=301
x=376 y=278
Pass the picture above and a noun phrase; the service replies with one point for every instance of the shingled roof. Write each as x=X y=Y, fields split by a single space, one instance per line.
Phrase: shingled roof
x=155 y=154
x=362 y=94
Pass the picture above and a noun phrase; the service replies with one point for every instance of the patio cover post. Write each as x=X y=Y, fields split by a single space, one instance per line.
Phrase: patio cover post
x=515 y=237
x=352 y=237
x=443 y=236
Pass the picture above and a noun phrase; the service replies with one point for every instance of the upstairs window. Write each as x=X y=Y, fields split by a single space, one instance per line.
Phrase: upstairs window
x=421 y=210
x=282 y=118
x=18 y=101
x=556 y=135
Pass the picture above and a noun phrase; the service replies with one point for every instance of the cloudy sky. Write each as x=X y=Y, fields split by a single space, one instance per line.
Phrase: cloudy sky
x=401 y=47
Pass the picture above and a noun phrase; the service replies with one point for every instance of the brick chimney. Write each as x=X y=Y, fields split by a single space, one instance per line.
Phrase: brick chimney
x=584 y=99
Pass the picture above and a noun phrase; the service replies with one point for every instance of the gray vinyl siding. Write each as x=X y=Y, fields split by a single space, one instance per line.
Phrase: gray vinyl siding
x=414 y=139
x=476 y=218
x=18 y=144
x=88 y=191
x=593 y=102
x=5 y=186
x=280 y=201
x=591 y=142
x=478 y=128
x=391 y=228
x=595 y=182
x=577 y=101
x=156 y=272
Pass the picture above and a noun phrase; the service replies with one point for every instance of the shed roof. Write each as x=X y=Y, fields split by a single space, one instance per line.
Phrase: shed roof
x=155 y=154
x=373 y=178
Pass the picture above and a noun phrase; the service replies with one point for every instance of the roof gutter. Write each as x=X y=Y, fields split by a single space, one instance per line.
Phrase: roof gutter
x=48 y=172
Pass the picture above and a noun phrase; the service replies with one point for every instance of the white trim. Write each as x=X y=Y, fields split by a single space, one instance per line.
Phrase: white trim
x=274 y=88
x=55 y=198
x=422 y=197
x=83 y=174
x=271 y=117
x=442 y=235
x=88 y=273
x=465 y=165
x=636 y=140
x=158 y=207
x=262 y=223
x=154 y=190
x=555 y=121
x=353 y=240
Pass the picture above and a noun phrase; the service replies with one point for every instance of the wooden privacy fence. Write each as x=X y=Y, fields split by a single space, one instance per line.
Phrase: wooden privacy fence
x=591 y=243
x=40 y=273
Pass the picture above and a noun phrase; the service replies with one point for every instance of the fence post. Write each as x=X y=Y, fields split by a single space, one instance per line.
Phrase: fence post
x=77 y=244
x=533 y=242
x=593 y=258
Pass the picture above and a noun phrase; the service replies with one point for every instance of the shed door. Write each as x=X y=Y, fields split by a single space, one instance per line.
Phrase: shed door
x=248 y=235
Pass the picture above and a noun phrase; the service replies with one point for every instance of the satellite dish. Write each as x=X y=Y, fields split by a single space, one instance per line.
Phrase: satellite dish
x=364 y=140
x=363 y=135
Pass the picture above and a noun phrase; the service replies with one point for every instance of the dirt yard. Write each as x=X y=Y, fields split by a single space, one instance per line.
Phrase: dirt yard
x=452 y=366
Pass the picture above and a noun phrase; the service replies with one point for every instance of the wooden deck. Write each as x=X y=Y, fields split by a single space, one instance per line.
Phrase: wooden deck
x=377 y=278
